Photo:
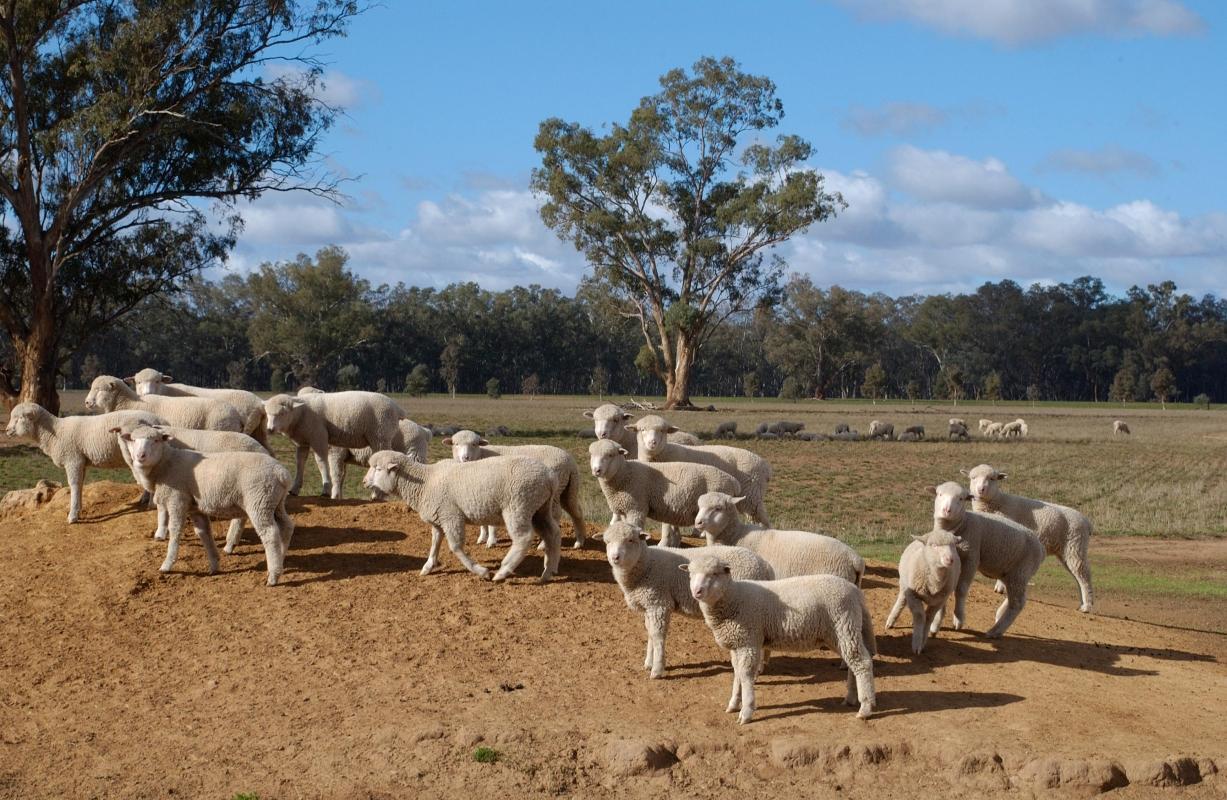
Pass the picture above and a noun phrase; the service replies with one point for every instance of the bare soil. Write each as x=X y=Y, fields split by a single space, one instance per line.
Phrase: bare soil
x=358 y=678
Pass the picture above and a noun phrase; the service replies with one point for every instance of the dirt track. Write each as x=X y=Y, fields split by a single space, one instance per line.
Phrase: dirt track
x=359 y=678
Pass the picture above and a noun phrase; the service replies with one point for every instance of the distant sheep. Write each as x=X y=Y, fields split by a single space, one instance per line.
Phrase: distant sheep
x=984 y=423
x=919 y=430
x=909 y=436
x=957 y=421
x=726 y=430
x=785 y=428
x=928 y=575
x=847 y=436
x=1015 y=428
x=841 y=427
x=881 y=430
x=993 y=429
x=1119 y=427
x=958 y=431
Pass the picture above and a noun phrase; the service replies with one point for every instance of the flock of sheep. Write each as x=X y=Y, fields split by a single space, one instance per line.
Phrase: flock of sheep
x=201 y=454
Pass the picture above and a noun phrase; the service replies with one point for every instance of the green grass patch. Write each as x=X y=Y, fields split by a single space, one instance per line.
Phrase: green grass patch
x=485 y=755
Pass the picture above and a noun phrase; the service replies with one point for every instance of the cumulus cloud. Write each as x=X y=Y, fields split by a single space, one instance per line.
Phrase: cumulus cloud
x=335 y=88
x=1023 y=22
x=1102 y=162
x=939 y=176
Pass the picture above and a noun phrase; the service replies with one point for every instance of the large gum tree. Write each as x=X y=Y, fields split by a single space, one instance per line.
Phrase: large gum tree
x=677 y=209
x=127 y=128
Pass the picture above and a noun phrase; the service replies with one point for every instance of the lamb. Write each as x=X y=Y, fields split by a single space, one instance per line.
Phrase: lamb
x=996 y=546
x=652 y=581
x=468 y=446
x=984 y=423
x=790 y=553
x=224 y=485
x=928 y=573
x=668 y=492
x=75 y=443
x=958 y=431
x=918 y=430
x=610 y=423
x=109 y=393
x=1119 y=427
x=1063 y=531
x=351 y=420
x=751 y=470
x=248 y=404
x=881 y=430
x=415 y=441
x=993 y=429
x=447 y=495
x=841 y=427
x=726 y=430
x=789 y=614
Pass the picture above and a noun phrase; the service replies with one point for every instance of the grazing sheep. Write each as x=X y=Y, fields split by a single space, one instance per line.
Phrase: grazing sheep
x=984 y=423
x=447 y=495
x=1119 y=427
x=1064 y=532
x=497 y=430
x=881 y=430
x=784 y=428
x=842 y=427
x=958 y=431
x=751 y=470
x=248 y=404
x=957 y=421
x=75 y=443
x=667 y=492
x=468 y=446
x=996 y=546
x=351 y=420
x=108 y=393
x=919 y=430
x=415 y=441
x=789 y=614
x=222 y=485
x=993 y=429
x=790 y=553
x=1015 y=428
x=812 y=436
x=652 y=581
x=726 y=430
x=928 y=573
x=610 y=423
x=909 y=436
x=766 y=436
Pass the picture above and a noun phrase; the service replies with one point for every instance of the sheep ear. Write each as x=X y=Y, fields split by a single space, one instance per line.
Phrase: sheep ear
x=127 y=437
x=482 y=442
x=116 y=430
x=393 y=467
x=295 y=402
x=599 y=536
x=167 y=379
x=1001 y=476
x=684 y=567
x=738 y=500
x=588 y=414
x=672 y=429
x=131 y=380
x=962 y=472
x=624 y=451
x=448 y=441
x=631 y=428
x=626 y=416
x=931 y=490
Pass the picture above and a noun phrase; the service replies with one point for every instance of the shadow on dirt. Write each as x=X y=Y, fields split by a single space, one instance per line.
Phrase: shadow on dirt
x=331 y=566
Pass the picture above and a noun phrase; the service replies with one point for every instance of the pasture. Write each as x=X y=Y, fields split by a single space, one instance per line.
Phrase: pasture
x=360 y=678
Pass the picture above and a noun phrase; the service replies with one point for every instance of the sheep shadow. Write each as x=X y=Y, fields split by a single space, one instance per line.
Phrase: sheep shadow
x=334 y=566
x=699 y=669
x=317 y=536
x=890 y=704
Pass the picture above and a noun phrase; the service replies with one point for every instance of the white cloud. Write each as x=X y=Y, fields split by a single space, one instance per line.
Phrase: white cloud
x=897 y=119
x=937 y=175
x=1101 y=162
x=1021 y=22
x=335 y=88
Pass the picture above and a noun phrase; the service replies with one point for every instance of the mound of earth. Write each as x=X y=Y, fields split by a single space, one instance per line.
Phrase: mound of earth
x=359 y=678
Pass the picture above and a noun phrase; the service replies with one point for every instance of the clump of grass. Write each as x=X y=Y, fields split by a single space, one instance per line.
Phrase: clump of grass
x=246 y=796
x=485 y=755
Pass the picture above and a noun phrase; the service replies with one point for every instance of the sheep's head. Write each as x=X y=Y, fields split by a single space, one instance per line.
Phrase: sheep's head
x=983 y=481
x=652 y=432
x=146 y=445
x=717 y=511
x=149 y=381
x=104 y=393
x=941 y=548
x=624 y=544
x=282 y=411
x=466 y=446
x=709 y=578
x=383 y=469
x=949 y=503
x=23 y=420
x=607 y=420
x=605 y=458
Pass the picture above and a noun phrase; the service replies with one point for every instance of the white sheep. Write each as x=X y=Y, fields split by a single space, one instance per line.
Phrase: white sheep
x=352 y=420
x=1119 y=426
x=996 y=546
x=958 y=421
x=1064 y=532
x=223 y=485
x=468 y=446
x=1014 y=428
x=785 y=428
x=881 y=430
x=984 y=423
x=108 y=393
x=653 y=583
x=75 y=443
x=993 y=429
x=928 y=574
x=790 y=553
x=751 y=470
x=958 y=431
x=248 y=404
x=726 y=430
x=609 y=421
x=415 y=439
x=667 y=492
x=447 y=495
x=789 y=614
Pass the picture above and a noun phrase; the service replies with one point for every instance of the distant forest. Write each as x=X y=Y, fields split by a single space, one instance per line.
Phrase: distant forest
x=314 y=321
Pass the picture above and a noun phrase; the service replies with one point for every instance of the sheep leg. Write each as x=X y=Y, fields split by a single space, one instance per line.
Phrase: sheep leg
x=233 y=535
x=860 y=675
x=75 y=473
x=745 y=669
x=967 y=574
x=521 y=542
x=321 y=463
x=670 y=536
x=201 y=523
x=455 y=543
x=159 y=533
x=432 y=558
x=300 y=463
x=657 y=622
x=284 y=522
x=571 y=503
x=919 y=623
x=1015 y=599
x=895 y=610
x=546 y=525
x=935 y=618
x=999 y=587
x=760 y=513
x=336 y=466
x=174 y=518
x=1079 y=566
x=274 y=555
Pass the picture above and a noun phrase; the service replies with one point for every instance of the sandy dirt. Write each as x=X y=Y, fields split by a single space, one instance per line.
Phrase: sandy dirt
x=358 y=678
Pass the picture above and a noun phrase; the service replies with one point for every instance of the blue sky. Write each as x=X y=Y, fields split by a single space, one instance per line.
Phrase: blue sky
x=1036 y=140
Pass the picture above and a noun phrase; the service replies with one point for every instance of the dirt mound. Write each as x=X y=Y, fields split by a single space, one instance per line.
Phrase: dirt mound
x=360 y=678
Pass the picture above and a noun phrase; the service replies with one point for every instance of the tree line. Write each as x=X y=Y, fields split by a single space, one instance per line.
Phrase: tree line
x=313 y=320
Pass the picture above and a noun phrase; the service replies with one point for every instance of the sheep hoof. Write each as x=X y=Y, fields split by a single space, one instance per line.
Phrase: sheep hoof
x=228 y=549
x=732 y=708
x=744 y=717
x=72 y=518
x=428 y=567
x=166 y=567
x=272 y=580
x=293 y=492
x=999 y=587
x=541 y=545
x=159 y=536
x=657 y=673
x=1085 y=609
x=865 y=712
x=497 y=577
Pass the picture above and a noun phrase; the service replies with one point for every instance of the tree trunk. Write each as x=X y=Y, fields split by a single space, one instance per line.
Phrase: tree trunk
x=37 y=356
x=677 y=383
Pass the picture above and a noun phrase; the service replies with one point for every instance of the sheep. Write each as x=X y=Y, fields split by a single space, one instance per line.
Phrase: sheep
x=789 y=614
x=751 y=470
x=248 y=404
x=1119 y=427
x=812 y=436
x=681 y=437
x=497 y=430
x=993 y=429
x=767 y=436
x=447 y=495
x=75 y=443
x=668 y=492
x=957 y=421
x=881 y=430
x=224 y=485
x=415 y=441
x=726 y=430
x=984 y=423
x=1015 y=428
x=108 y=393
x=468 y=446
x=652 y=581
x=848 y=436
x=919 y=430
x=958 y=431
x=790 y=553
x=928 y=573
x=610 y=423
x=316 y=422
x=1063 y=531
x=841 y=427
x=993 y=545
x=783 y=428
x=909 y=436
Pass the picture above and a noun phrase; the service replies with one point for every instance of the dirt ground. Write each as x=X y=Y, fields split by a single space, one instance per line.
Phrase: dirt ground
x=358 y=678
